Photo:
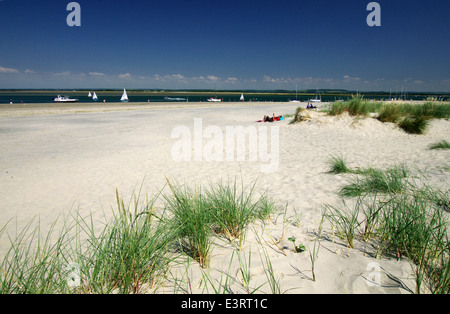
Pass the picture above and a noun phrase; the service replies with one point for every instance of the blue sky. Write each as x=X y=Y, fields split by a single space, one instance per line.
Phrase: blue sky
x=233 y=44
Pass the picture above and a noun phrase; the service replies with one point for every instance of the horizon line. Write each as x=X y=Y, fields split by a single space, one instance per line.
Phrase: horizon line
x=225 y=90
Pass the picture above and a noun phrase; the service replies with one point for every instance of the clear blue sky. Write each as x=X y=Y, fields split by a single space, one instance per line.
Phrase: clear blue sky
x=234 y=44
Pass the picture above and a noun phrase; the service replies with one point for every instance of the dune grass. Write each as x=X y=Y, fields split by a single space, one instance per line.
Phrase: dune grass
x=338 y=165
x=443 y=144
x=221 y=209
x=370 y=180
x=356 y=106
x=410 y=225
x=299 y=115
x=412 y=118
x=401 y=218
x=191 y=220
x=377 y=181
x=133 y=251
x=129 y=252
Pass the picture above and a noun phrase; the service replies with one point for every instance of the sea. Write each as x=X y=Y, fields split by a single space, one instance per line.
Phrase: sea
x=47 y=96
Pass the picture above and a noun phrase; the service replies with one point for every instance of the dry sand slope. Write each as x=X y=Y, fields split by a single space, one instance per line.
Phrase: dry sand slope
x=51 y=163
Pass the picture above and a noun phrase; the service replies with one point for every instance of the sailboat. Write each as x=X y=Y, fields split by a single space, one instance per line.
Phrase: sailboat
x=214 y=99
x=90 y=95
x=124 y=96
x=316 y=99
x=94 y=97
x=242 y=97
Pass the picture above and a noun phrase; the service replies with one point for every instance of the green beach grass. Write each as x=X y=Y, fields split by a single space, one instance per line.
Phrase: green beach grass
x=398 y=217
x=412 y=118
x=443 y=144
x=135 y=250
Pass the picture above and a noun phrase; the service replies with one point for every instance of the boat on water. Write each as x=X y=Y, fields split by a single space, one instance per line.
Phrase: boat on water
x=124 y=97
x=94 y=97
x=89 y=95
x=215 y=99
x=175 y=98
x=242 y=97
x=64 y=99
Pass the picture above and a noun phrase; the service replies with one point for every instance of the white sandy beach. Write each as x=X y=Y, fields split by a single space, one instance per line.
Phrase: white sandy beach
x=53 y=161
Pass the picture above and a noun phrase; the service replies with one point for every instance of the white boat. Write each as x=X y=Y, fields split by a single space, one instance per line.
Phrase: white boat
x=94 y=97
x=215 y=99
x=124 y=96
x=90 y=95
x=64 y=99
x=242 y=97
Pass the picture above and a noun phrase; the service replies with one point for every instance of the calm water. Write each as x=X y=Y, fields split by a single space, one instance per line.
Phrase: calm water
x=82 y=96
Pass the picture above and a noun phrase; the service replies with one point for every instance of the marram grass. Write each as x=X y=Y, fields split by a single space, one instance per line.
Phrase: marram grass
x=411 y=118
x=134 y=250
x=409 y=221
x=443 y=144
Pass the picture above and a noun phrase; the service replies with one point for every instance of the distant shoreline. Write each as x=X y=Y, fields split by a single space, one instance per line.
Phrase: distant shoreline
x=328 y=92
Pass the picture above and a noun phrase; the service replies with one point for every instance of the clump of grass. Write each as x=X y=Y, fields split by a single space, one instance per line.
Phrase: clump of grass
x=299 y=116
x=377 y=181
x=373 y=180
x=344 y=220
x=356 y=106
x=337 y=108
x=337 y=165
x=389 y=113
x=407 y=225
x=233 y=209
x=414 y=125
x=443 y=144
x=131 y=250
x=128 y=253
x=403 y=218
x=431 y=110
x=33 y=264
x=221 y=209
x=413 y=119
x=191 y=220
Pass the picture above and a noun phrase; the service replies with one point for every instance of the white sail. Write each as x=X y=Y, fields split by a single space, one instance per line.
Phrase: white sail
x=242 y=97
x=124 y=96
x=90 y=95
x=94 y=97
